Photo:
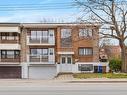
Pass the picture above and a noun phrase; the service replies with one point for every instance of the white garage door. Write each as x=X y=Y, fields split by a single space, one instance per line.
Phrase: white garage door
x=45 y=72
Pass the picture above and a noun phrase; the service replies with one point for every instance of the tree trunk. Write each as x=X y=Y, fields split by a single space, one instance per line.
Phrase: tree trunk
x=123 y=57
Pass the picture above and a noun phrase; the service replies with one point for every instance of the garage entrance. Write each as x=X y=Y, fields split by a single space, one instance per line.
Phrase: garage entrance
x=42 y=72
x=7 y=72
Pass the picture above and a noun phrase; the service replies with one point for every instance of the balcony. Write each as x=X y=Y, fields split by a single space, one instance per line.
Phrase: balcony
x=10 y=47
x=41 y=40
x=9 y=40
x=9 y=60
x=40 y=59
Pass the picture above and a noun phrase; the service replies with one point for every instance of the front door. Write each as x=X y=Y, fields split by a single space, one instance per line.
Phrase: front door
x=66 y=64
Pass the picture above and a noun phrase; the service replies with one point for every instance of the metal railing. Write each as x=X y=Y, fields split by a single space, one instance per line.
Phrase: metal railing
x=39 y=39
x=39 y=59
x=10 y=60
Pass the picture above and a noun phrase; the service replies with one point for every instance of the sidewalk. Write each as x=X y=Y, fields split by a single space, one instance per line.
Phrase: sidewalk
x=31 y=82
x=98 y=80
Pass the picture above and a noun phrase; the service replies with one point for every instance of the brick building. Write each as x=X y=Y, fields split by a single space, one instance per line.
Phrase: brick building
x=42 y=50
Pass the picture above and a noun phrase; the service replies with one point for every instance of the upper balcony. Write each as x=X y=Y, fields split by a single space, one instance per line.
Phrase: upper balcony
x=45 y=40
x=9 y=41
x=41 y=38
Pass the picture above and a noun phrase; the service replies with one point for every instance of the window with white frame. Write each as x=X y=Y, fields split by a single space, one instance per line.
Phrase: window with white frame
x=38 y=34
x=39 y=51
x=85 y=51
x=85 y=33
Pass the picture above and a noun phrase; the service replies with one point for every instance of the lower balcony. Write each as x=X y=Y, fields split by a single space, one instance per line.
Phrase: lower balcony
x=9 y=60
x=40 y=59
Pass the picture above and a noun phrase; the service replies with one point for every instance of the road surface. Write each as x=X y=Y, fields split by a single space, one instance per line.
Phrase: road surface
x=64 y=89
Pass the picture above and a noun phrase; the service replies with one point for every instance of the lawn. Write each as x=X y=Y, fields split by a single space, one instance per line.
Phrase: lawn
x=99 y=75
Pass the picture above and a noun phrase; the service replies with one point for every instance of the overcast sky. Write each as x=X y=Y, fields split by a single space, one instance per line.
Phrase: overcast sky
x=58 y=10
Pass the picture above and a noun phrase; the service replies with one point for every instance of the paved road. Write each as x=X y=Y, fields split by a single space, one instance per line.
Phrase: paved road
x=64 y=89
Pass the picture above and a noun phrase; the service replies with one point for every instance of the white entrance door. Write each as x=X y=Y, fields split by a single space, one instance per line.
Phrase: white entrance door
x=66 y=64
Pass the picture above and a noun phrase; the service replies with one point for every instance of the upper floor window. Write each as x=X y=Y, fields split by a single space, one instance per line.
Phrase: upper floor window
x=85 y=51
x=85 y=33
x=10 y=54
x=39 y=51
x=38 y=34
x=9 y=36
x=66 y=39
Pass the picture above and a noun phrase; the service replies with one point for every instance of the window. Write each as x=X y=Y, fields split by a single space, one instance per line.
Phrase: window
x=17 y=53
x=33 y=34
x=10 y=54
x=3 y=54
x=39 y=51
x=85 y=33
x=37 y=34
x=9 y=36
x=63 y=60
x=44 y=51
x=40 y=36
x=85 y=51
x=85 y=67
x=69 y=60
x=66 y=40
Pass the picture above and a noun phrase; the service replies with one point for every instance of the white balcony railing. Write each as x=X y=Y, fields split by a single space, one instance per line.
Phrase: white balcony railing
x=6 y=46
x=44 y=40
x=39 y=59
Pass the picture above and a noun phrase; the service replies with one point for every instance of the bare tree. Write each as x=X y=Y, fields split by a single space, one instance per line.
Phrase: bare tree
x=109 y=13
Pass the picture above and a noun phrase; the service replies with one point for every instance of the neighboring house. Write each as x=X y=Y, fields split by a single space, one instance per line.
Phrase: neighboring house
x=112 y=51
x=42 y=50
x=116 y=51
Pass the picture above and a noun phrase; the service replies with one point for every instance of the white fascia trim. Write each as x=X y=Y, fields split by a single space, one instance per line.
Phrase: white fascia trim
x=10 y=29
x=65 y=52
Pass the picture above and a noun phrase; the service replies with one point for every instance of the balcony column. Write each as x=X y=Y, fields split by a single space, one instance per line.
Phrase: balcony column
x=24 y=70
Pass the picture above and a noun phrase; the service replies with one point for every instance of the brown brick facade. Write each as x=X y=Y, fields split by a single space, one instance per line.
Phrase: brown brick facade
x=77 y=42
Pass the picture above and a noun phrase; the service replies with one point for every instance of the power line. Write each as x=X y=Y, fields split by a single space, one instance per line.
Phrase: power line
x=47 y=6
x=43 y=6
x=34 y=9
x=24 y=4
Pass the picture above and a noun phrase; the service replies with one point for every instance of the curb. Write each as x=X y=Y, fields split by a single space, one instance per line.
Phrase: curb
x=97 y=82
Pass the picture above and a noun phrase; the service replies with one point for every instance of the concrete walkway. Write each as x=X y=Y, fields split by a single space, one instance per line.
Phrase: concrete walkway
x=64 y=77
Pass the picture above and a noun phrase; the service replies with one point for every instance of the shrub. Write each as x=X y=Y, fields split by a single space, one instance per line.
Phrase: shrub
x=115 y=65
